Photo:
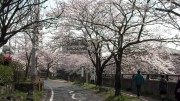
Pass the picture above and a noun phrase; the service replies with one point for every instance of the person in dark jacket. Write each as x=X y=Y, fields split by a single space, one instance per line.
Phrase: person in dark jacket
x=139 y=81
x=177 y=90
x=163 y=87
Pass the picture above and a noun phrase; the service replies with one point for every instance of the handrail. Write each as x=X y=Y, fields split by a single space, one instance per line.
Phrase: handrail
x=169 y=77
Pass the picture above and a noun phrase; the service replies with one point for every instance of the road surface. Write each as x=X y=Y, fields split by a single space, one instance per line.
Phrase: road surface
x=61 y=91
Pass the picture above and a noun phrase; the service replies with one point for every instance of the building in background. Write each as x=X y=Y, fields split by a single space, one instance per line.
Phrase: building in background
x=74 y=46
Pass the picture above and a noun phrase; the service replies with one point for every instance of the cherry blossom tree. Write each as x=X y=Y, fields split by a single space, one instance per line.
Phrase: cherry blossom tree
x=169 y=6
x=48 y=60
x=16 y=16
x=125 y=24
x=75 y=14
x=72 y=63
x=24 y=45
x=169 y=9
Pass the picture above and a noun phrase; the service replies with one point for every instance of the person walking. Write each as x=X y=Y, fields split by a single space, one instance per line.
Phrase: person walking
x=163 y=87
x=139 y=81
x=177 y=90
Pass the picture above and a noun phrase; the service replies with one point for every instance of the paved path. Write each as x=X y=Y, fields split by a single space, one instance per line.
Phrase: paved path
x=60 y=91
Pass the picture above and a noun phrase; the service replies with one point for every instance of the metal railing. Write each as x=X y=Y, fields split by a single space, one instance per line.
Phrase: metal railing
x=169 y=77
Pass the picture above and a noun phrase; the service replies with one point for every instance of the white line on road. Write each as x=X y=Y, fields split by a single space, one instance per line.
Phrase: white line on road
x=79 y=96
x=71 y=91
x=52 y=93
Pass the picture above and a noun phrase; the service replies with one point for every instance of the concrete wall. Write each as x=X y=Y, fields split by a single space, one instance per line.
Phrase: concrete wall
x=150 y=87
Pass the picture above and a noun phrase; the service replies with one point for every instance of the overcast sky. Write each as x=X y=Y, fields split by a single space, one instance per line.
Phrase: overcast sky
x=52 y=3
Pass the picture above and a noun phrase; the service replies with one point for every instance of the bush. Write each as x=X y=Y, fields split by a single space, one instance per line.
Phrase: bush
x=6 y=74
x=1 y=59
x=5 y=60
x=19 y=76
x=19 y=72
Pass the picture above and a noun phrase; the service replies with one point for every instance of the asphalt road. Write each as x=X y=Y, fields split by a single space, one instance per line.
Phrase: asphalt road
x=61 y=91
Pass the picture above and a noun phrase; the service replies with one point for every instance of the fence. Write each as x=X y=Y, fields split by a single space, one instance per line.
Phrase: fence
x=150 y=87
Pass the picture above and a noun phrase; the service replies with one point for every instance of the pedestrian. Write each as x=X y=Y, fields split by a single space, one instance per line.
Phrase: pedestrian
x=139 y=81
x=163 y=87
x=177 y=90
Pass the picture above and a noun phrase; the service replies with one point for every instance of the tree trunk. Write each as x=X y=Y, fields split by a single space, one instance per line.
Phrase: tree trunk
x=99 y=79
x=27 y=69
x=47 y=73
x=27 y=65
x=118 y=60
x=117 y=79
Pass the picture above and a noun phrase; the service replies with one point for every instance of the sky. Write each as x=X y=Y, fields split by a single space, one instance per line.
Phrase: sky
x=50 y=4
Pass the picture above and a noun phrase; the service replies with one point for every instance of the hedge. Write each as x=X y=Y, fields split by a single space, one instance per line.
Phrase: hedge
x=6 y=74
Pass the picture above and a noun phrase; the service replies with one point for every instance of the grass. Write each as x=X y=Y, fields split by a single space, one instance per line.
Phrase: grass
x=15 y=93
x=37 y=94
x=109 y=95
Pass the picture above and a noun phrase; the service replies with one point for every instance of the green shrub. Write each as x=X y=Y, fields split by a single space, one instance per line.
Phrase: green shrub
x=5 y=60
x=19 y=72
x=1 y=59
x=19 y=76
x=6 y=74
x=17 y=66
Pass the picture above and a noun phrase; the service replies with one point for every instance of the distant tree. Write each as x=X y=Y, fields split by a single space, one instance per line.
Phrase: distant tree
x=47 y=59
x=72 y=63
x=24 y=45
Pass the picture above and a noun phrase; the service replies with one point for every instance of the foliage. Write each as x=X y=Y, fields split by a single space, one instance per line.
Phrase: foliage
x=38 y=95
x=19 y=73
x=6 y=74
x=1 y=59
x=72 y=63
x=87 y=86
x=5 y=60
x=19 y=76
x=123 y=97
x=17 y=66
x=15 y=93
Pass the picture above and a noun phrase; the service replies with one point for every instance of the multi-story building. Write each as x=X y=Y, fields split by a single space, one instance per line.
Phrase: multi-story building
x=74 y=46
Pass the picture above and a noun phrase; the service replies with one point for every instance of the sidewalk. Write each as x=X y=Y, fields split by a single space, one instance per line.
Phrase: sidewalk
x=142 y=97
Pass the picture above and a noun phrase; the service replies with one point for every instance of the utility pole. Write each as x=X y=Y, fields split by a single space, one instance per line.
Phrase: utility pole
x=34 y=41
